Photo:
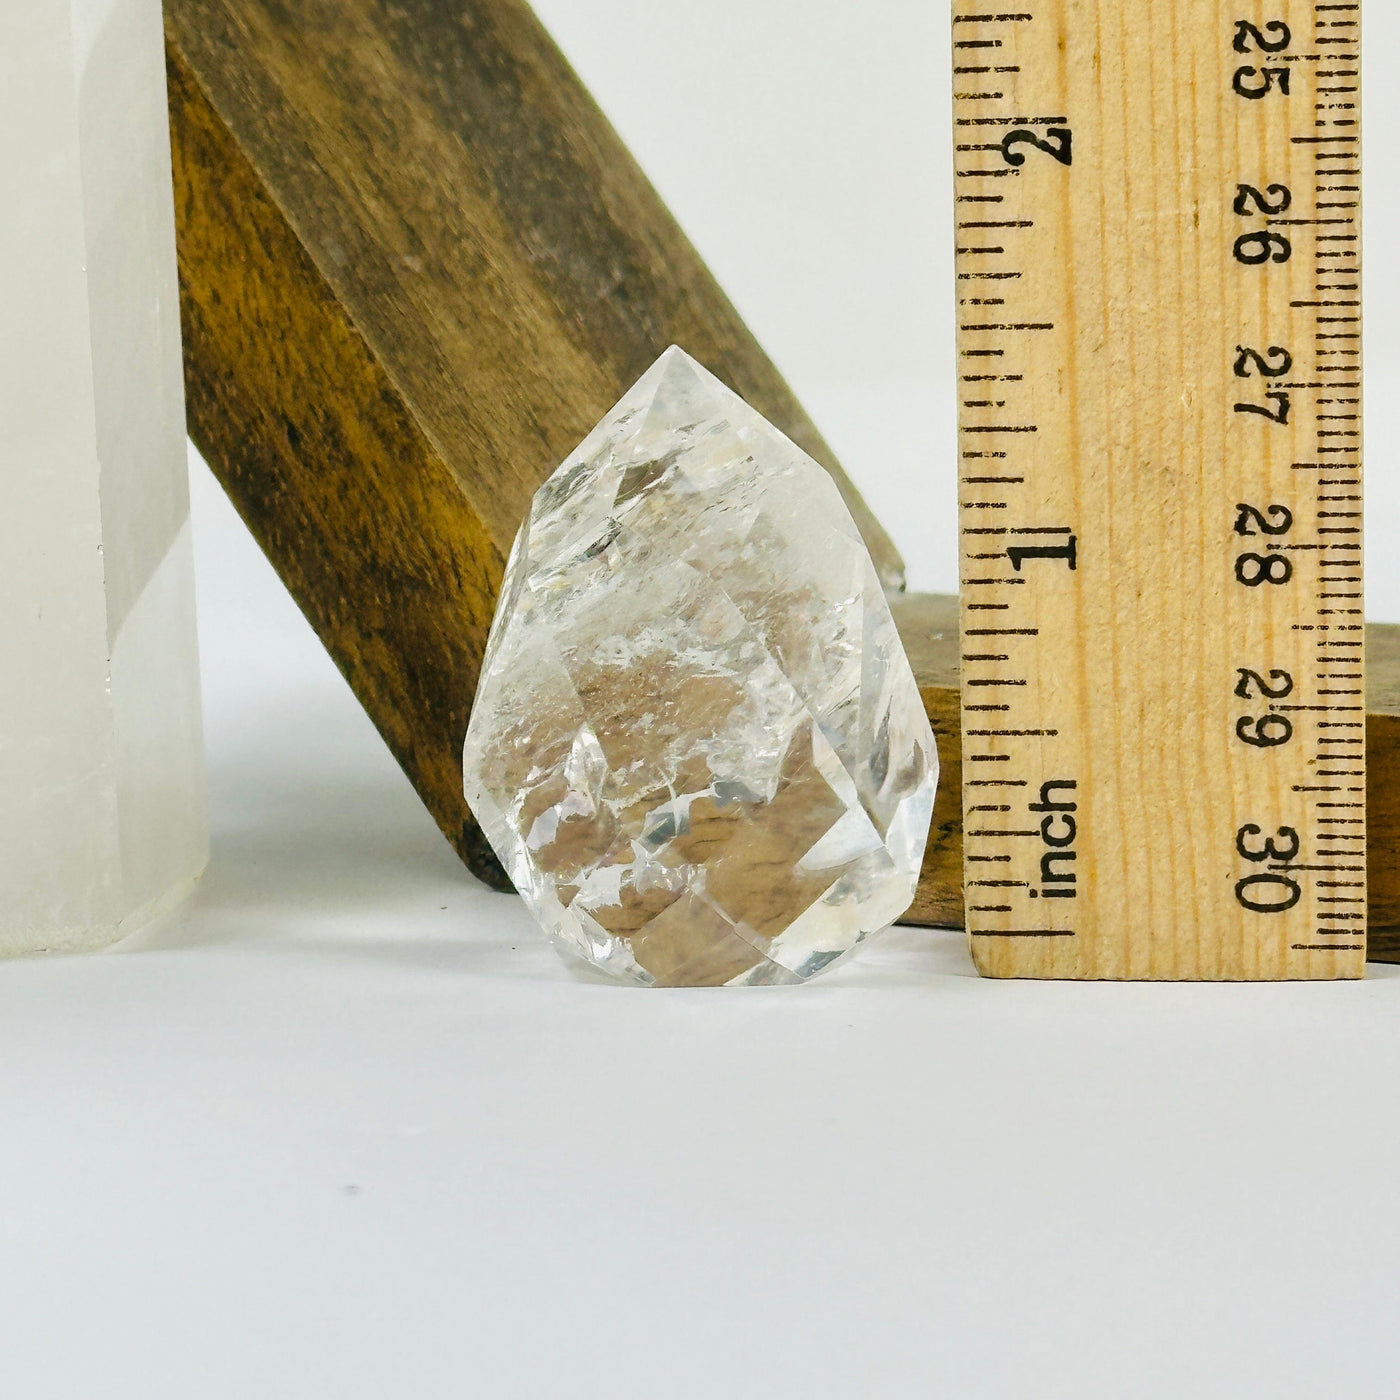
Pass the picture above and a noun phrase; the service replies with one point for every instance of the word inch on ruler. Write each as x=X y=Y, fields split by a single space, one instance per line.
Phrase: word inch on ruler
x=1159 y=360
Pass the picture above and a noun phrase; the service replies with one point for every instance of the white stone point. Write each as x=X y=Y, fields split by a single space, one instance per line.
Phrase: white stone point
x=102 y=800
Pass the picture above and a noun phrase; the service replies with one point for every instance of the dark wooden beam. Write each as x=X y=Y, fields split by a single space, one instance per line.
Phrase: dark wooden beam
x=416 y=266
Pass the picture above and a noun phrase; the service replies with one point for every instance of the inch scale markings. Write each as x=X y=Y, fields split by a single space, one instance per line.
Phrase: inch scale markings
x=1159 y=307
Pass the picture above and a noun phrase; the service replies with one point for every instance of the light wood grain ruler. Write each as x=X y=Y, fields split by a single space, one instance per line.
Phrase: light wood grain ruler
x=1159 y=297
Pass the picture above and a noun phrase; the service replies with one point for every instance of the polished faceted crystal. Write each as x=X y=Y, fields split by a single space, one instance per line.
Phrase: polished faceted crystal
x=697 y=745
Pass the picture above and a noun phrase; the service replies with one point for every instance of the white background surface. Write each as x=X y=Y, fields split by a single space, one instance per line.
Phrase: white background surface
x=348 y=1128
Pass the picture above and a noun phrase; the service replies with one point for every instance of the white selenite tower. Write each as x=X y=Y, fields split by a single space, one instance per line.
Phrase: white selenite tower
x=102 y=802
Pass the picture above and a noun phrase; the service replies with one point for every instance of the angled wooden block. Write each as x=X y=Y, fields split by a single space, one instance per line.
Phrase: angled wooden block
x=417 y=265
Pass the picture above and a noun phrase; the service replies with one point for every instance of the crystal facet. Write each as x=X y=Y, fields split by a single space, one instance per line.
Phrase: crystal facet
x=697 y=745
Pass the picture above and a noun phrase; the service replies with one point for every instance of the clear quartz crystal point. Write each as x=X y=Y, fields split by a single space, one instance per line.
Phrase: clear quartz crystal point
x=697 y=745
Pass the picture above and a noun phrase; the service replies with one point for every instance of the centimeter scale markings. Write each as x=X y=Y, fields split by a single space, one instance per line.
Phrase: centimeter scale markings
x=1159 y=359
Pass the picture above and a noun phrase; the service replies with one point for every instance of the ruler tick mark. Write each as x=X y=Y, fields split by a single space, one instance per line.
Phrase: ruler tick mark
x=1098 y=641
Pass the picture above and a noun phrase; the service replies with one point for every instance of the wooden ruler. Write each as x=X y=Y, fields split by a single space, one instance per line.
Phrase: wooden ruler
x=1159 y=355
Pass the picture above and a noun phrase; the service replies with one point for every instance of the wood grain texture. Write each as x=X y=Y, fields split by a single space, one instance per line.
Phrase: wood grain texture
x=928 y=625
x=1158 y=209
x=417 y=265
